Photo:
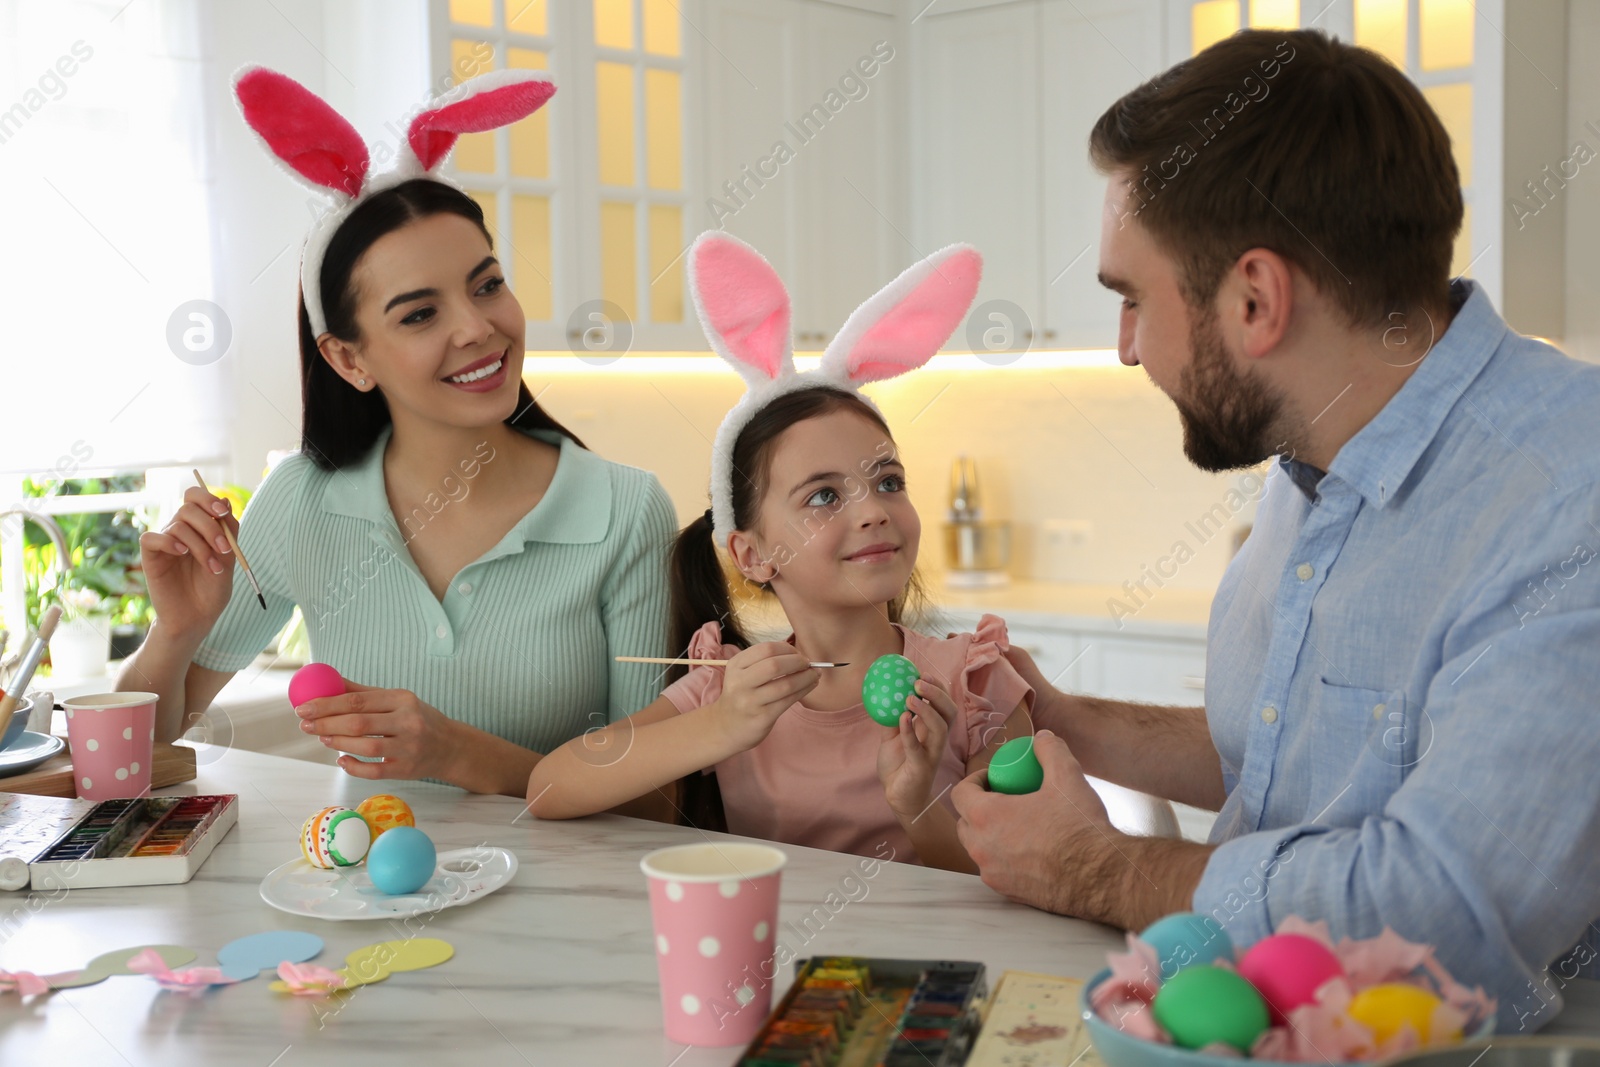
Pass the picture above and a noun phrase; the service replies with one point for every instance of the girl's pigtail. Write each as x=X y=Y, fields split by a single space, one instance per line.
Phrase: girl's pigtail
x=699 y=590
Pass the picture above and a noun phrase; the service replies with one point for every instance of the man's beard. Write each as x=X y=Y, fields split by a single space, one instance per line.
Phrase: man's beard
x=1229 y=418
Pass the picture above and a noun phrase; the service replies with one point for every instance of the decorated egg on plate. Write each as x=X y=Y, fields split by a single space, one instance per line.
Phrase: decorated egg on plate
x=402 y=860
x=314 y=680
x=885 y=689
x=1288 y=969
x=385 y=812
x=1384 y=1009
x=335 y=837
x=1185 y=938
x=1206 y=1003
x=1014 y=768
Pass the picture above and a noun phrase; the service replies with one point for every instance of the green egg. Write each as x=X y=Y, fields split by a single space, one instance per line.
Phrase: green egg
x=1014 y=768
x=888 y=683
x=1206 y=1003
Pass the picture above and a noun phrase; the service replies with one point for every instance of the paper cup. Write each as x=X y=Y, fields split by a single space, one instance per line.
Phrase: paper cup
x=111 y=735
x=715 y=909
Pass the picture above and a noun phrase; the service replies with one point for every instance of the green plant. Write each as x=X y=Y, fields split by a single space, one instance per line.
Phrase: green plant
x=102 y=552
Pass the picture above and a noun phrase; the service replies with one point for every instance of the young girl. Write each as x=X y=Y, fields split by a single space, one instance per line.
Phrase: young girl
x=809 y=499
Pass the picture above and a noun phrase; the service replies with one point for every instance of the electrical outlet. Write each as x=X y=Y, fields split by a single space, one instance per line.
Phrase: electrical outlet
x=1060 y=555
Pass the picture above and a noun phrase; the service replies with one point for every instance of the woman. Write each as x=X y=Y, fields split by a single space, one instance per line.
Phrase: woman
x=455 y=550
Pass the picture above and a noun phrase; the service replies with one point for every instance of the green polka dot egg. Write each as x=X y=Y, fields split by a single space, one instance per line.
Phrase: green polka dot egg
x=888 y=683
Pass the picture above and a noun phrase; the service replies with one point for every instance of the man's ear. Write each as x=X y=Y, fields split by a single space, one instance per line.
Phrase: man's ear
x=345 y=359
x=747 y=557
x=1258 y=300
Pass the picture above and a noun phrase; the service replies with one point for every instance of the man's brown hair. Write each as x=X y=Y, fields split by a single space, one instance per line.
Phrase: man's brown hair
x=1296 y=142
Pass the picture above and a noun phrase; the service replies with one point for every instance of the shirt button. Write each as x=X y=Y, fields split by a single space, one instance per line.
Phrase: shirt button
x=442 y=632
x=465 y=587
x=1304 y=572
x=1378 y=710
x=1269 y=714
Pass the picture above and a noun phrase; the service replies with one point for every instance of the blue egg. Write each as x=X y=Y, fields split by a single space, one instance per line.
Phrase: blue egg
x=1182 y=939
x=401 y=860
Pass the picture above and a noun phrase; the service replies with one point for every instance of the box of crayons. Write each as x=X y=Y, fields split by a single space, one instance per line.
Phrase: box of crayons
x=77 y=844
x=847 y=1011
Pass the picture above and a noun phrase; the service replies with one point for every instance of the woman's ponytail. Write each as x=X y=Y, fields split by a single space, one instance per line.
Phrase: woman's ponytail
x=699 y=590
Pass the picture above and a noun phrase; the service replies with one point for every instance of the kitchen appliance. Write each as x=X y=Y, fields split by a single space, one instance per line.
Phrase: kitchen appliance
x=977 y=551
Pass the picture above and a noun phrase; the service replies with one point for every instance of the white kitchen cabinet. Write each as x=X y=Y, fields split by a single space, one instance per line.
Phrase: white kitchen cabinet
x=1001 y=151
x=1145 y=669
x=1093 y=53
x=804 y=152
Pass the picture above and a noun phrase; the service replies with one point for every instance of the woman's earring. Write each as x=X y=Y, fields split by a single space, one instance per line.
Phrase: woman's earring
x=361 y=382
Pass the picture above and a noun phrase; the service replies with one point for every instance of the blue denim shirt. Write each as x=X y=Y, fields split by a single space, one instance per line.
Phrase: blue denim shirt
x=1403 y=676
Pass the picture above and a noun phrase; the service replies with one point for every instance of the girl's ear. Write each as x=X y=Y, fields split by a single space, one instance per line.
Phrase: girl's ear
x=747 y=557
x=310 y=138
x=486 y=102
x=742 y=305
x=901 y=326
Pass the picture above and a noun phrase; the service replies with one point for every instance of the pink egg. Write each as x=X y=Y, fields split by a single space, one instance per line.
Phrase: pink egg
x=312 y=681
x=1288 y=969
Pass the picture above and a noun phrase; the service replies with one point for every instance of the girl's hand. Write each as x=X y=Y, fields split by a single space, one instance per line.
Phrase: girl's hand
x=760 y=684
x=415 y=740
x=189 y=565
x=910 y=753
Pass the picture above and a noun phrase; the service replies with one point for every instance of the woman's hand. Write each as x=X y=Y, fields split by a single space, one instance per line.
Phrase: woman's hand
x=909 y=756
x=758 y=685
x=415 y=740
x=189 y=566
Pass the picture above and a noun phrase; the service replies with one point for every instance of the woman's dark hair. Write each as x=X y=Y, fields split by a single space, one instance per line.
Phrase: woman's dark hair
x=699 y=584
x=339 y=423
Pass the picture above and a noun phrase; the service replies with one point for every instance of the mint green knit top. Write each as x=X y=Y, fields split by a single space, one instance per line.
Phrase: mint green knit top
x=521 y=645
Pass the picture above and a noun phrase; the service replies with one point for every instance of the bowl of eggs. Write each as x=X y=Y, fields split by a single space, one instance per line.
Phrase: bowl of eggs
x=1182 y=996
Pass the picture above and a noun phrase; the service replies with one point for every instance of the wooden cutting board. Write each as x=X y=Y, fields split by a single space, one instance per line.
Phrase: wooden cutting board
x=169 y=765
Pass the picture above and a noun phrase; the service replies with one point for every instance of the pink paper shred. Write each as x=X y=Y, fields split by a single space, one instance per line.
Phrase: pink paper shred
x=309 y=980
x=1320 y=1032
x=22 y=983
x=190 y=980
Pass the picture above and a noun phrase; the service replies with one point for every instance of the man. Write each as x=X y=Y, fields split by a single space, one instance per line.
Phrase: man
x=1404 y=657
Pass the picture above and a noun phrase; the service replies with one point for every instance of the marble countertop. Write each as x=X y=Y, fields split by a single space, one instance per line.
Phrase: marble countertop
x=556 y=968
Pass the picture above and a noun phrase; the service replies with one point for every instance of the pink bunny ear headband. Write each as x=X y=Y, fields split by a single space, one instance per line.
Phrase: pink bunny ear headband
x=324 y=152
x=744 y=310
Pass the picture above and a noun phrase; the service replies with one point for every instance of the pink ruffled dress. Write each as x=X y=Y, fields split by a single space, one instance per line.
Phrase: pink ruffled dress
x=813 y=781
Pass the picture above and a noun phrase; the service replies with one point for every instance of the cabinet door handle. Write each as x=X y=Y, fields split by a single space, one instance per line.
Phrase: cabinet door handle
x=1193 y=681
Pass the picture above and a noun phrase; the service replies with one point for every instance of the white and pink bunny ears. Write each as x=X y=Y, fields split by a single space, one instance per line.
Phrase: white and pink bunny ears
x=744 y=310
x=324 y=152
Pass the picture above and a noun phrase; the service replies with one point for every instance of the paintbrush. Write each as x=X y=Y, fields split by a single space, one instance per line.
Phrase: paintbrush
x=699 y=662
x=30 y=661
x=233 y=543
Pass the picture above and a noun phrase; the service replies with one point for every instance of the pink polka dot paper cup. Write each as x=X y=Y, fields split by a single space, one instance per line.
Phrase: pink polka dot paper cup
x=111 y=735
x=715 y=906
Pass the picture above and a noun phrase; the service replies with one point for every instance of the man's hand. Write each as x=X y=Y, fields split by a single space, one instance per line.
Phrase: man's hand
x=1056 y=849
x=1024 y=845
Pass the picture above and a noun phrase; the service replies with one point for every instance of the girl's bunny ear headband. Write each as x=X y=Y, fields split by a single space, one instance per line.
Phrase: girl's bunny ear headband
x=744 y=310
x=322 y=150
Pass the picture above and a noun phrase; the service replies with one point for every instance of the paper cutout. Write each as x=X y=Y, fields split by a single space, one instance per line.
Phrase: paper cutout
x=374 y=963
x=309 y=980
x=246 y=957
x=191 y=980
x=107 y=964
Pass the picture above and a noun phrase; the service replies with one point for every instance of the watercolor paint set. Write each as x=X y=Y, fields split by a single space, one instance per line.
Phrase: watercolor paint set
x=846 y=1011
x=76 y=844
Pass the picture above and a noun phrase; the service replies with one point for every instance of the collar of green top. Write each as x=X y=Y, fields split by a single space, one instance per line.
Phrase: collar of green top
x=575 y=509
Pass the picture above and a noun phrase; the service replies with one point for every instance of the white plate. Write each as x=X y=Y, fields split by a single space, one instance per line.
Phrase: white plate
x=27 y=752
x=461 y=876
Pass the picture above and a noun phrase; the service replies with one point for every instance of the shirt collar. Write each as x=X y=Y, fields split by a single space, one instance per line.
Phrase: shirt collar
x=1383 y=453
x=575 y=508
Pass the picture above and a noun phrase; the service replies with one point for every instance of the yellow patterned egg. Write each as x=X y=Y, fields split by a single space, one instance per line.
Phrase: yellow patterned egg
x=1384 y=1009
x=335 y=837
x=385 y=812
